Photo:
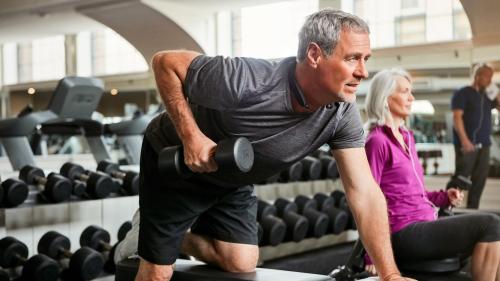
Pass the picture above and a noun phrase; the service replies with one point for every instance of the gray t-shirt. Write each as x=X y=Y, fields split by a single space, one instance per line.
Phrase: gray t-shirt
x=246 y=97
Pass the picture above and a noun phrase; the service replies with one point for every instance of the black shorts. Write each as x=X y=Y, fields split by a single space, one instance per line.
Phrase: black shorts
x=446 y=237
x=169 y=209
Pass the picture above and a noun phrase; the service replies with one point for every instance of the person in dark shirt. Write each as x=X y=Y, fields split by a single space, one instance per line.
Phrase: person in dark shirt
x=471 y=106
x=287 y=110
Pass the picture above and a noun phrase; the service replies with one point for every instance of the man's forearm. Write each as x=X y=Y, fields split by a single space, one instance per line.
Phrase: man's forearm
x=458 y=124
x=370 y=211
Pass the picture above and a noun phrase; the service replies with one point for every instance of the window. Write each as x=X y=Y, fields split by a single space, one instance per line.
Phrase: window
x=271 y=30
x=9 y=63
x=48 y=58
x=410 y=30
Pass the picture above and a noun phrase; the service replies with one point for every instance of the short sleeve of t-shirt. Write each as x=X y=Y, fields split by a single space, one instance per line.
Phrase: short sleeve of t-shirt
x=349 y=132
x=215 y=82
x=458 y=100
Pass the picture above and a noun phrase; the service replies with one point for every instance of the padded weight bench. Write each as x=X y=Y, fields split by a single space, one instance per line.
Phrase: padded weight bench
x=186 y=270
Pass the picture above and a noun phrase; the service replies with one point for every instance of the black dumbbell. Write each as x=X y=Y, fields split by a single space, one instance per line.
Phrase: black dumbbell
x=273 y=228
x=340 y=199
x=296 y=225
x=15 y=192
x=329 y=167
x=98 y=184
x=341 y=203
x=97 y=238
x=293 y=173
x=84 y=264
x=78 y=187
x=312 y=168
x=14 y=253
x=129 y=179
x=338 y=218
x=55 y=188
x=231 y=155
x=123 y=230
x=318 y=221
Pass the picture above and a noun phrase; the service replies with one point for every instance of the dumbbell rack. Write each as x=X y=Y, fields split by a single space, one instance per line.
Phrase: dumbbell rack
x=269 y=192
x=29 y=221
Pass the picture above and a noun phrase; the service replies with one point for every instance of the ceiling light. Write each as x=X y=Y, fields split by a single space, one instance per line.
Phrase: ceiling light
x=31 y=91
x=113 y=92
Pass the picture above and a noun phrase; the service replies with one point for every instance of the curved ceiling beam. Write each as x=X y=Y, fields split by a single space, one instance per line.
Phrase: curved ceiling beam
x=484 y=20
x=148 y=30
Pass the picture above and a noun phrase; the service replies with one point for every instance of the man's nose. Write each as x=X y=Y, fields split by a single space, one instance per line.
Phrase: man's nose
x=361 y=72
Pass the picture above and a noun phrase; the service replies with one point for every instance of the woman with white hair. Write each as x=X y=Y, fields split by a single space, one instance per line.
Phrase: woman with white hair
x=417 y=234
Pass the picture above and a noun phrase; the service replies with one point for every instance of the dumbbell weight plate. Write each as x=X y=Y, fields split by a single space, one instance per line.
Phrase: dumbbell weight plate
x=29 y=174
x=171 y=163
x=235 y=152
x=274 y=231
x=86 y=264
x=131 y=183
x=58 y=188
x=15 y=192
x=41 y=268
x=338 y=220
x=10 y=248
x=92 y=236
x=107 y=167
x=99 y=185
x=51 y=242
x=123 y=230
x=323 y=201
x=71 y=170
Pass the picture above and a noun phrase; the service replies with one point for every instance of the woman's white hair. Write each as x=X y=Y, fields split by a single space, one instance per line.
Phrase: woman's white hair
x=383 y=84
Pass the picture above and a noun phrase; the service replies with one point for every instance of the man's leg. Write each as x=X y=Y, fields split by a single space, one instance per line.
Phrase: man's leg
x=478 y=177
x=226 y=235
x=231 y=257
x=464 y=164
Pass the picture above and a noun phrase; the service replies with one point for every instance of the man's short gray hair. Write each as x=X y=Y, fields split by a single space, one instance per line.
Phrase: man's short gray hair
x=383 y=84
x=324 y=27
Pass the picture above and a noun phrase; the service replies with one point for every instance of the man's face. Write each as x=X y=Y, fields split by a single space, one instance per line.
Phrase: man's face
x=340 y=73
x=483 y=77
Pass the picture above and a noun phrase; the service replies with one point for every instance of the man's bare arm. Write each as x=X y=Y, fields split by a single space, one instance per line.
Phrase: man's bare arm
x=369 y=208
x=458 y=124
x=170 y=70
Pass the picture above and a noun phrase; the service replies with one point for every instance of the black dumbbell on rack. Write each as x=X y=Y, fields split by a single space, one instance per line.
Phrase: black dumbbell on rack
x=14 y=253
x=341 y=203
x=329 y=167
x=231 y=155
x=98 y=184
x=84 y=264
x=273 y=228
x=338 y=218
x=129 y=180
x=292 y=173
x=296 y=225
x=54 y=188
x=97 y=238
x=318 y=221
x=14 y=192
x=312 y=168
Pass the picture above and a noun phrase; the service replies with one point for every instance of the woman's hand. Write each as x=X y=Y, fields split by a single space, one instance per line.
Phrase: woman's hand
x=455 y=196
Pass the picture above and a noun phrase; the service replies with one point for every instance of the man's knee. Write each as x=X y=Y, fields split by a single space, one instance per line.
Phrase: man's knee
x=239 y=261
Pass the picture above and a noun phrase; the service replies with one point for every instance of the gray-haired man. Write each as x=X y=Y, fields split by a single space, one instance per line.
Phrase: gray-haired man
x=287 y=110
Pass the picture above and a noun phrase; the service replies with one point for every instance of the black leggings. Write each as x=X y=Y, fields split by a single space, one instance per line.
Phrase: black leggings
x=446 y=237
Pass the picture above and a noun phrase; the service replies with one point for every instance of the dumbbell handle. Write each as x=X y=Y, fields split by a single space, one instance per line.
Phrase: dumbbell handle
x=40 y=180
x=83 y=177
x=105 y=245
x=118 y=174
x=20 y=258
x=64 y=253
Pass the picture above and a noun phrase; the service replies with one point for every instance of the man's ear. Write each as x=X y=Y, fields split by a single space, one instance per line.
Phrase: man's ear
x=314 y=54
